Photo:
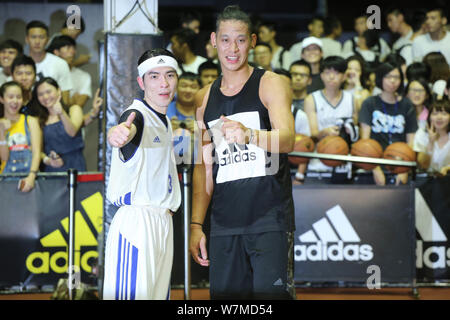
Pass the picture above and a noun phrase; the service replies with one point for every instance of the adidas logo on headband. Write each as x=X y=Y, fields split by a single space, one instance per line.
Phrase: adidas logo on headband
x=158 y=61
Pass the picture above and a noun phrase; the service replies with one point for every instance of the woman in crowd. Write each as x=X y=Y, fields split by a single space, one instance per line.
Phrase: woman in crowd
x=20 y=137
x=418 y=91
x=440 y=72
x=434 y=155
x=388 y=117
x=355 y=78
x=63 y=143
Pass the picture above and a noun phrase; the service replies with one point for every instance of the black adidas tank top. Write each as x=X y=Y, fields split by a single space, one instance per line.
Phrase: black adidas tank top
x=252 y=187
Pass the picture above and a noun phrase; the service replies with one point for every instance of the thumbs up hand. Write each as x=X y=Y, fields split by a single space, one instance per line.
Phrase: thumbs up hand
x=121 y=134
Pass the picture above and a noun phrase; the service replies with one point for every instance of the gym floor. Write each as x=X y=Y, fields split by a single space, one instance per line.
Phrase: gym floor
x=425 y=293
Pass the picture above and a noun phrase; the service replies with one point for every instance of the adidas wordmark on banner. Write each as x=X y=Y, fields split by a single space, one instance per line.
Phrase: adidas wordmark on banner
x=433 y=257
x=332 y=238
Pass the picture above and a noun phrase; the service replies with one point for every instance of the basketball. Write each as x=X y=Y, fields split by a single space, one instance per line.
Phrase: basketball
x=332 y=145
x=302 y=144
x=399 y=151
x=366 y=148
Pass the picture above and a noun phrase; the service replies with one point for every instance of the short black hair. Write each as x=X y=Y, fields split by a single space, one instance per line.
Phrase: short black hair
x=82 y=25
x=330 y=23
x=11 y=44
x=188 y=17
x=264 y=44
x=303 y=63
x=234 y=12
x=61 y=41
x=36 y=24
x=418 y=70
x=334 y=62
x=395 y=11
x=442 y=11
x=23 y=60
x=372 y=37
x=185 y=35
x=208 y=65
x=190 y=76
x=382 y=70
x=395 y=58
x=269 y=25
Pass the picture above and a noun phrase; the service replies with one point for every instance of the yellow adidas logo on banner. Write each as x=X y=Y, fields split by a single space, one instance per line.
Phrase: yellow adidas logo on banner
x=43 y=261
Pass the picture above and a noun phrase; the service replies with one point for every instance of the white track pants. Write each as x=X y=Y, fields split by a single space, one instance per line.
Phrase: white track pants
x=139 y=254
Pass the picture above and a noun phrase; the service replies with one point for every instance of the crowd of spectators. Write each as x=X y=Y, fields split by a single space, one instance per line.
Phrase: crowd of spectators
x=364 y=87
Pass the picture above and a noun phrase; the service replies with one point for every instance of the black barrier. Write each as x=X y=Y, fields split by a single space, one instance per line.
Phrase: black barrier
x=433 y=230
x=34 y=230
x=345 y=232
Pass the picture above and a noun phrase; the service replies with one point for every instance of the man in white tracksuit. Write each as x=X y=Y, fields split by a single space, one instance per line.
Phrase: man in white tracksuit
x=144 y=183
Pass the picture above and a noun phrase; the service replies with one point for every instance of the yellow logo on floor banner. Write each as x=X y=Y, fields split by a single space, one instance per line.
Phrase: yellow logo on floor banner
x=43 y=261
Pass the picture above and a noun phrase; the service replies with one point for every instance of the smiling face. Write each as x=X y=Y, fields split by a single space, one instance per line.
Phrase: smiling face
x=48 y=94
x=233 y=42
x=440 y=119
x=7 y=57
x=12 y=100
x=67 y=53
x=186 y=91
x=159 y=85
x=25 y=76
x=417 y=93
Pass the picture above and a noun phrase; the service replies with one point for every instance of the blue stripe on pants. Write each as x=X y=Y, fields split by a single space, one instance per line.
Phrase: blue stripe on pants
x=119 y=252
x=134 y=262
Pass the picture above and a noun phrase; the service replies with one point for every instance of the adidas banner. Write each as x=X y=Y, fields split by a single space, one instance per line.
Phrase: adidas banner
x=34 y=230
x=433 y=230
x=354 y=234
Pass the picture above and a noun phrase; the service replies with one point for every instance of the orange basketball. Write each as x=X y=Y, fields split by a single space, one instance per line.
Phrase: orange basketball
x=399 y=151
x=332 y=145
x=367 y=148
x=302 y=144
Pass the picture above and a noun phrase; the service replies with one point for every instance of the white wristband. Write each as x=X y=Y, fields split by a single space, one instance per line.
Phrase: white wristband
x=3 y=143
x=299 y=176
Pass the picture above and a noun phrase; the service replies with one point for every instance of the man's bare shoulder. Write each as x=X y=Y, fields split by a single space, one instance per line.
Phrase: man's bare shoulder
x=201 y=99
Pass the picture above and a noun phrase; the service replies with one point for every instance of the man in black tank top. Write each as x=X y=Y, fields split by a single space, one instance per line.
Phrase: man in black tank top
x=246 y=129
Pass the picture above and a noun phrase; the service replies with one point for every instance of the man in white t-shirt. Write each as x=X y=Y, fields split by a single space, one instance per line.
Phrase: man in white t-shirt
x=332 y=31
x=396 y=22
x=9 y=50
x=47 y=64
x=281 y=58
x=350 y=46
x=65 y=48
x=436 y=40
x=315 y=28
x=183 y=41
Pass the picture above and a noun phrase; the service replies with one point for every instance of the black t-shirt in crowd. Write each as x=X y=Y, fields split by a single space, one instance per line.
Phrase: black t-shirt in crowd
x=389 y=122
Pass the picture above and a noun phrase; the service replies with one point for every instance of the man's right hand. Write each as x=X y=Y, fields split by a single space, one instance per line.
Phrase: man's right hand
x=197 y=247
x=119 y=135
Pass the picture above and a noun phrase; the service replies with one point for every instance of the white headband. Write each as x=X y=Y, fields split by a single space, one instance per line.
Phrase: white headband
x=158 y=61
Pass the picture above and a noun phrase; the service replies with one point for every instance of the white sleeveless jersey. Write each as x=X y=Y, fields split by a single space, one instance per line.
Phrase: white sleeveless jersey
x=150 y=177
x=327 y=114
